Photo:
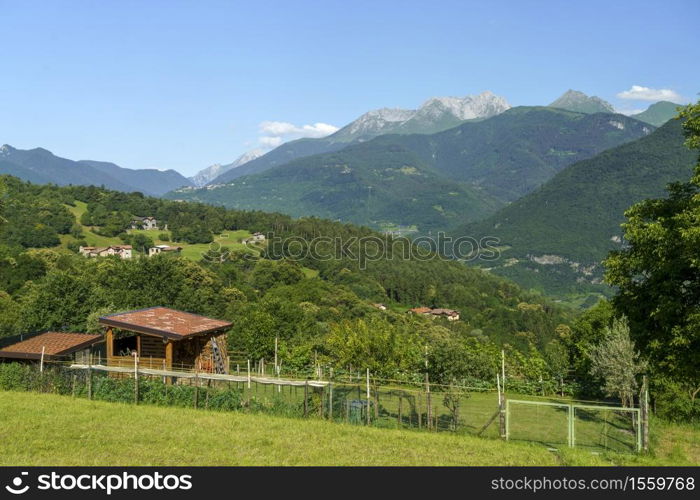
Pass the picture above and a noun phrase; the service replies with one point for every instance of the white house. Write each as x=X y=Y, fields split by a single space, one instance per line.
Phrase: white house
x=144 y=223
x=163 y=248
x=123 y=251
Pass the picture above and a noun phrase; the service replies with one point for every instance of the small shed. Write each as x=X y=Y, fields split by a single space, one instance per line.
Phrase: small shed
x=166 y=338
x=55 y=345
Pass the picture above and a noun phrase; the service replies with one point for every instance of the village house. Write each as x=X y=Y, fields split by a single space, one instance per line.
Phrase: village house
x=123 y=251
x=144 y=223
x=257 y=237
x=163 y=249
x=381 y=307
x=449 y=314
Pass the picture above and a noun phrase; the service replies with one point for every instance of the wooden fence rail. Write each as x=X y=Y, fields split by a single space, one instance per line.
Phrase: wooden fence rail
x=200 y=375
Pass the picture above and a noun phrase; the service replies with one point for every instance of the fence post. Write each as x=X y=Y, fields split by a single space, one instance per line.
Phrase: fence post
x=320 y=403
x=368 y=400
x=644 y=406
x=206 y=395
x=41 y=365
x=428 y=402
x=196 y=388
x=503 y=369
x=136 y=379
x=503 y=417
x=330 y=401
x=506 y=428
x=306 y=398
x=572 y=438
x=400 y=405
x=89 y=384
x=249 y=374
x=419 y=407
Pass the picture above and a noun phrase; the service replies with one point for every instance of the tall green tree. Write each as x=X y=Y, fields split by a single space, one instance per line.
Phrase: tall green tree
x=617 y=363
x=658 y=274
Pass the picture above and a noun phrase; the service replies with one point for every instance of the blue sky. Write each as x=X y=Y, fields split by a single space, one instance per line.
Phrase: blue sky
x=171 y=84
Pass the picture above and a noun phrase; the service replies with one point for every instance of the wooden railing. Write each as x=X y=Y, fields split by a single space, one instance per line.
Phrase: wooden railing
x=128 y=362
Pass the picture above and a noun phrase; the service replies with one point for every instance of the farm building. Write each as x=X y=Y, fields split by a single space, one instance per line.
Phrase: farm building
x=123 y=251
x=62 y=346
x=149 y=223
x=450 y=314
x=163 y=249
x=166 y=338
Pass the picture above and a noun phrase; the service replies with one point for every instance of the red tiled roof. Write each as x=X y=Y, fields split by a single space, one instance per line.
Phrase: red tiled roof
x=164 y=322
x=54 y=344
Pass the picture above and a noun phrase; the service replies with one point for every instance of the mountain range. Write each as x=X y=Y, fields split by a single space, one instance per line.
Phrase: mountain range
x=206 y=175
x=432 y=180
x=436 y=114
x=41 y=166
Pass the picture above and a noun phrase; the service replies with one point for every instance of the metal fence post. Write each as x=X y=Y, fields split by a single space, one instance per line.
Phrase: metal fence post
x=639 y=431
x=571 y=426
x=507 y=419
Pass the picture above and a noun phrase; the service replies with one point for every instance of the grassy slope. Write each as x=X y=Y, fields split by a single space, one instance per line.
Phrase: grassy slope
x=230 y=239
x=42 y=429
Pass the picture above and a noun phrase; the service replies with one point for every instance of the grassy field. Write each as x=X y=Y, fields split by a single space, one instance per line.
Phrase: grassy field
x=231 y=239
x=596 y=430
x=45 y=429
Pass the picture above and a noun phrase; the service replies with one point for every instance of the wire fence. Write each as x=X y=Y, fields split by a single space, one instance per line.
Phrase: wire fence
x=363 y=401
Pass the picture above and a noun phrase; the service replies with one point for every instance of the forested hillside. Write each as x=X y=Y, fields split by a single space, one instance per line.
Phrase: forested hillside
x=312 y=304
x=366 y=184
x=560 y=233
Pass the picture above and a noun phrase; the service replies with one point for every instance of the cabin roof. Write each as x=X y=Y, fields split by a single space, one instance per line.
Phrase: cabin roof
x=54 y=344
x=164 y=322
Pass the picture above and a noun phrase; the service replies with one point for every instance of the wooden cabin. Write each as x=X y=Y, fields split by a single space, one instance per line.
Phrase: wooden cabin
x=60 y=346
x=166 y=339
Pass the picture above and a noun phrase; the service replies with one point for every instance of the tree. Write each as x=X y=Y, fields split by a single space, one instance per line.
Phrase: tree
x=616 y=362
x=658 y=274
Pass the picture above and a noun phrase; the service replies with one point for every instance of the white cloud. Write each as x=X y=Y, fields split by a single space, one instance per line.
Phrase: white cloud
x=275 y=133
x=639 y=93
x=270 y=142
x=278 y=128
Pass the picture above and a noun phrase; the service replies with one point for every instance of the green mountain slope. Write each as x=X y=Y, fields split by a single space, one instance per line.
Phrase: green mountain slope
x=451 y=177
x=559 y=233
x=658 y=113
x=370 y=184
x=511 y=154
